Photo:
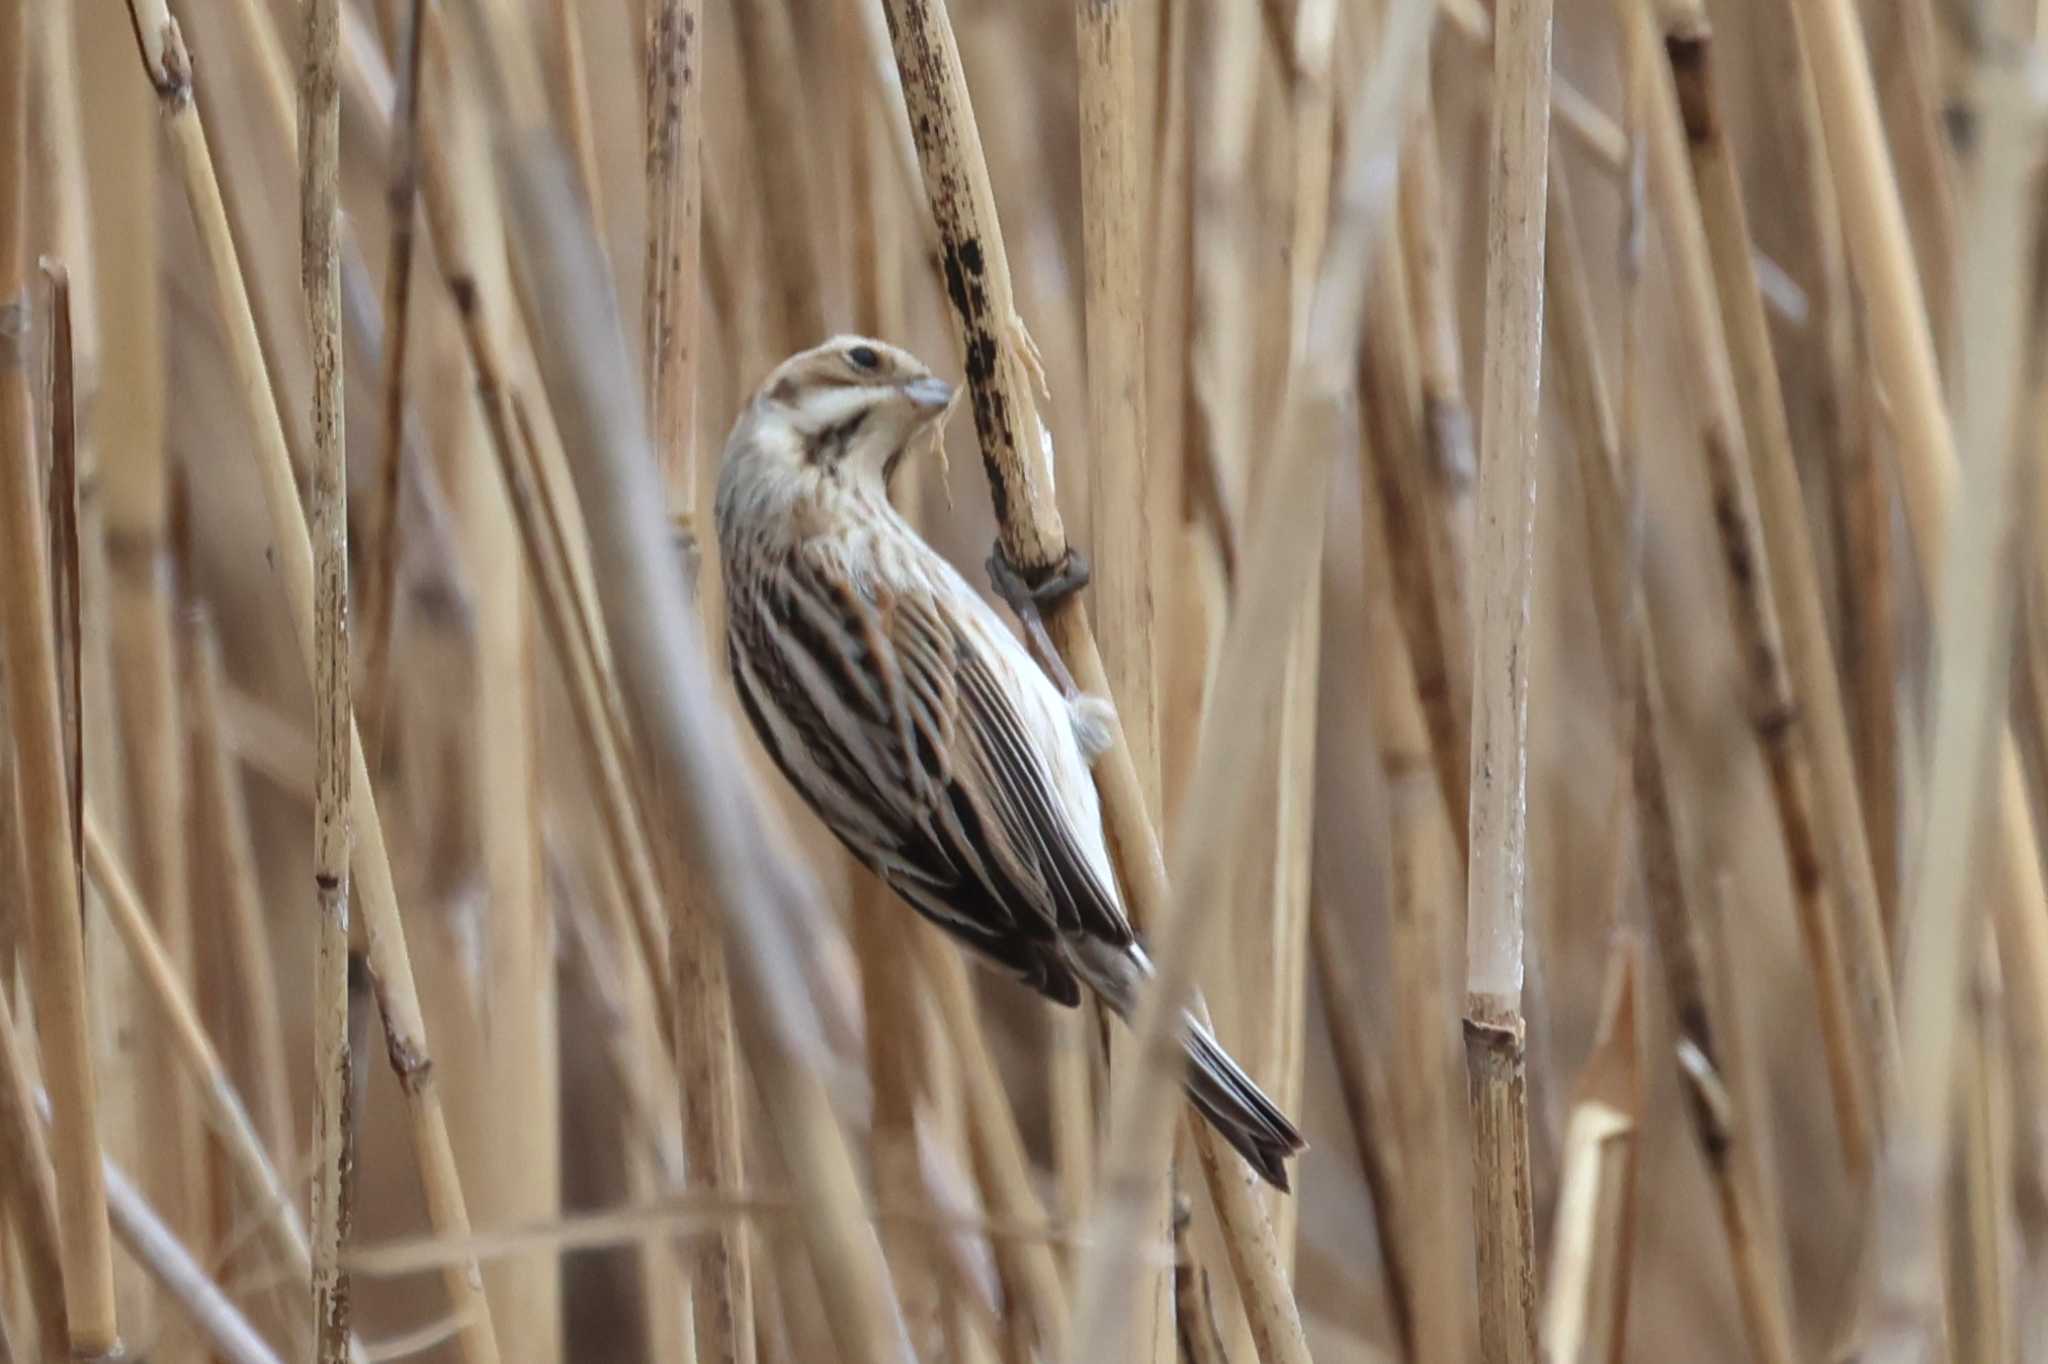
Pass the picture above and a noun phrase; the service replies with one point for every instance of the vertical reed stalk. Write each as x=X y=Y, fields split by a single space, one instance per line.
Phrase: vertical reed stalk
x=168 y=67
x=57 y=967
x=1495 y=1032
x=334 y=1121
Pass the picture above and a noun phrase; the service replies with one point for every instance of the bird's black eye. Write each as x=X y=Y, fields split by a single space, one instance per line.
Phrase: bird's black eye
x=864 y=357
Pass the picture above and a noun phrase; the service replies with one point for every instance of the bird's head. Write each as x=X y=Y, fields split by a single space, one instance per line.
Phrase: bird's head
x=845 y=410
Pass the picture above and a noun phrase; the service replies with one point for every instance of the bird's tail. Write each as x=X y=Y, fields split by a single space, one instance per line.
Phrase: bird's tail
x=1216 y=1085
x=1237 y=1108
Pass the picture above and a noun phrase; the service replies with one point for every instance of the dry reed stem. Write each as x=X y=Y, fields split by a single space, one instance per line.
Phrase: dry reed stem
x=722 y=1293
x=1495 y=1032
x=57 y=962
x=772 y=916
x=168 y=67
x=222 y=842
x=1585 y=1313
x=183 y=1279
x=675 y=203
x=1776 y=714
x=1925 y=162
x=1005 y=417
x=334 y=1120
x=1362 y=1086
x=1821 y=727
x=380 y=596
x=1038 y=1320
x=1277 y=562
x=1677 y=926
x=28 y=1192
x=1971 y=631
x=1600 y=136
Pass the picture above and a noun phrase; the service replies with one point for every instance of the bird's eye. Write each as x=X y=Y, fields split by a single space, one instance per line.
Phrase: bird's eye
x=864 y=357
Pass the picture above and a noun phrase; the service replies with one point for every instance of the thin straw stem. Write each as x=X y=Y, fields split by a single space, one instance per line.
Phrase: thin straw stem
x=28 y=1193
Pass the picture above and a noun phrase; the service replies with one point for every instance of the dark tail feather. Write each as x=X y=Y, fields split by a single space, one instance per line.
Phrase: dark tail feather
x=1237 y=1108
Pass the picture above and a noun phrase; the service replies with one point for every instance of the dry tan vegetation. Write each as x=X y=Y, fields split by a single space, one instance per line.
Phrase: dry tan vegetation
x=1564 y=486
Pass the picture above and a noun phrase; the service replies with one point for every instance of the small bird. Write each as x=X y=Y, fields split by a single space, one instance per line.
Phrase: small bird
x=913 y=721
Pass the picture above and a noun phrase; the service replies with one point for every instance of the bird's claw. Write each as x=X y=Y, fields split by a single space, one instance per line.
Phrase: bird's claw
x=1051 y=587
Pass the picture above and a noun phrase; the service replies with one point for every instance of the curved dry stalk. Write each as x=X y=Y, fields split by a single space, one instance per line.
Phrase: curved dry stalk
x=168 y=67
x=57 y=950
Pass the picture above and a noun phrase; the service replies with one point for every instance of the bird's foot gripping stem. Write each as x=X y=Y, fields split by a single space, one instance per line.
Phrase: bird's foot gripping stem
x=1029 y=600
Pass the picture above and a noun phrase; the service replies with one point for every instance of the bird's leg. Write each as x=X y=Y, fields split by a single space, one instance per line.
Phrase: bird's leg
x=1029 y=600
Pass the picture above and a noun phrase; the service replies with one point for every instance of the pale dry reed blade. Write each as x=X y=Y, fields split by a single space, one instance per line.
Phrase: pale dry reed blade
x=1972 y=630
x=1509 y=483
x=57 y=953
x=1585 y=1308
x=168 y=67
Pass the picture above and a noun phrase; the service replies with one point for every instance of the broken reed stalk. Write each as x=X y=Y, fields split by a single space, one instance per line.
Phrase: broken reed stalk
x=1676 y=925
x=380 y=595
x=1972 y=632
x=772 y=916
x=334 y=1121
x=1277 y=562
x=1781 y=728
x=1424 y=882
x=1820 y=726
x=57 y=953
x=182 y=1278
x=168 y=67
x=28 y=1192
x=1495 y=1032
x=1585 y=1313
x=1032 y=537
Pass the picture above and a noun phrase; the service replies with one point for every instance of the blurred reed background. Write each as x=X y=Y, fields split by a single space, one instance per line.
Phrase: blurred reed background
x=1567 y=557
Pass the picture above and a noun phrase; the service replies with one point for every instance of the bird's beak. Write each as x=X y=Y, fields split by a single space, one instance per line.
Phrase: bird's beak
x=930 y=394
